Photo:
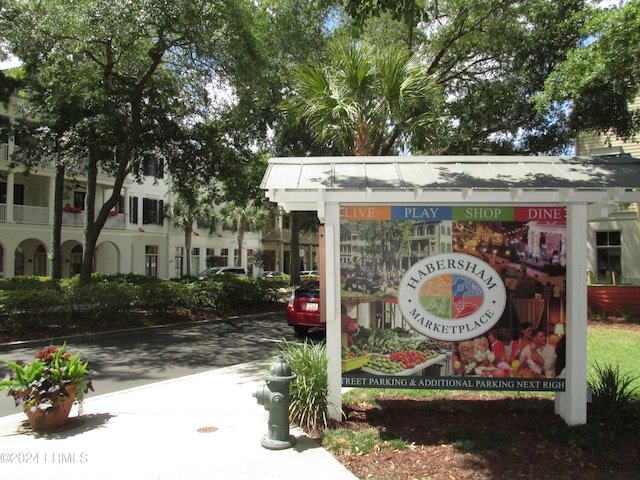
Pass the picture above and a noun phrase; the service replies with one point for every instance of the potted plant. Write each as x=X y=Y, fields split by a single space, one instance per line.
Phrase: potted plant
x=48 y=386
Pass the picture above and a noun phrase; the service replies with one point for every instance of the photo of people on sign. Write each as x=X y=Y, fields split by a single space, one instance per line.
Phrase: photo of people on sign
x=453 y=297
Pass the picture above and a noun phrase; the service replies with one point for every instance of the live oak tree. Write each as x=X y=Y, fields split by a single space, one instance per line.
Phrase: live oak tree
x=491 y=60
x=283 y=48
x=41 y=128
x=138 y=70
x=447 y=76
x=600 y=78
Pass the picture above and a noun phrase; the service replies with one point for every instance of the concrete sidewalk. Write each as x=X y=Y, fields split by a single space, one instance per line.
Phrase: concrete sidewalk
x=207 y=425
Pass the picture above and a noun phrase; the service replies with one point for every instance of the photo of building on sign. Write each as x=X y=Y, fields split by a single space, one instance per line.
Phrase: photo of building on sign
x=453 y=297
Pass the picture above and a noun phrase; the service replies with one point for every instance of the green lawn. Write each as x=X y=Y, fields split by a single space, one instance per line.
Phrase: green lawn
x=614 y=347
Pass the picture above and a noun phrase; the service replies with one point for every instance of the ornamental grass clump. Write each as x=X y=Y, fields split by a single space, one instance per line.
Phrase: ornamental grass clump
x=613 y=392
x=309 y=391
x=42 y=382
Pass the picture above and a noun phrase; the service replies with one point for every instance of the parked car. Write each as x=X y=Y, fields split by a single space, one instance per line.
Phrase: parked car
x=361 y=284
x=309 y=274
x=208 y=272
x=275 y=275
x=303 y=310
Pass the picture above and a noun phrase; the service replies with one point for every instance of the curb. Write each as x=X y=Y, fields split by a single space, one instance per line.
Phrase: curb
x=125 y=331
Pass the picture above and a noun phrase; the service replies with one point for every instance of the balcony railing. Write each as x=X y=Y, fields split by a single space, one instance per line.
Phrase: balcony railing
x=40 y=216
x=33 y=215
x=69 y=219
x=72 y=219
x=116 y=222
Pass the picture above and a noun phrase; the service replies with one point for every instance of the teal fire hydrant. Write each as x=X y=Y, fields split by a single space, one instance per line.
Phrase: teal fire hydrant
x=276 y=399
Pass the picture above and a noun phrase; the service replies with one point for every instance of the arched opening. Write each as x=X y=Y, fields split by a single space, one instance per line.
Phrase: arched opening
x=18 y=262
x=75 y=260
x=40 y=261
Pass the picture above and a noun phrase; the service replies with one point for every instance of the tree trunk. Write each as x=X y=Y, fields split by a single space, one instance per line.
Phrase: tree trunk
x=93 y=223
x=91 y=233
x=58 y=198
x=241 y=230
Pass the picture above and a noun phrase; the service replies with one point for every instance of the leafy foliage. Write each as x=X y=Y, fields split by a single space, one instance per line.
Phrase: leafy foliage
x=601 y=76
x=119 y=297
x=241 y=218
x=365 y=99
x=613 y=392
x=309 y=391
x=490 y=59
x=44 y=380
x=115 y=82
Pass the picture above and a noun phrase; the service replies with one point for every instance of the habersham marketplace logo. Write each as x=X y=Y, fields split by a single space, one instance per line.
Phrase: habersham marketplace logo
x=452 y=297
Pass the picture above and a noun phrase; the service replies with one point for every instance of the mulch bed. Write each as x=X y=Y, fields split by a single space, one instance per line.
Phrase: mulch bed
x=466 y=436
x=478 y=436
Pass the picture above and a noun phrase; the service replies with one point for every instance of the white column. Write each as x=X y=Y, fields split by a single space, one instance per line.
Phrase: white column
x=52 y=198
x=10 y=197
x=571 y=404
x=330 y=278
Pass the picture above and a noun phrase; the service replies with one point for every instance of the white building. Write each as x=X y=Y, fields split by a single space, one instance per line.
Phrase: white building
x=139 y=236
x=614 y=233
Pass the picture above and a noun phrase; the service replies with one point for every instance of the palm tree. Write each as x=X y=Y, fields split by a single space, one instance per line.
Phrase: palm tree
x=188 y=209
x=243 y=218
x=365 y=101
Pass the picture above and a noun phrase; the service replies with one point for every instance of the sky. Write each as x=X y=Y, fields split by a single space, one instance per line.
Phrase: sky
x=14 y=62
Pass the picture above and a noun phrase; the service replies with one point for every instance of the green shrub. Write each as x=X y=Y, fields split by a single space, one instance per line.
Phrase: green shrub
x=31 y=307
x=132 y=278
x=196 y=295
x=28 y=283
x=613 y=392
x=269 y=290
x=103 y=300
x=157 y=297
x=33 y=302
x=231 y=291
x=309 y=392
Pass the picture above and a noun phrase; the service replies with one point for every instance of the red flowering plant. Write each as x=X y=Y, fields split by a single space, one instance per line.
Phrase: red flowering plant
x=44 y=381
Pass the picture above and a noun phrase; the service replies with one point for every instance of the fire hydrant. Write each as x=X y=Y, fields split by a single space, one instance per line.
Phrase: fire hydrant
x=276 y=398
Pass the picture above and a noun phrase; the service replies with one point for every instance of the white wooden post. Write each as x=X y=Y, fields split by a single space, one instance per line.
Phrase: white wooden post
x=571 y=404
x=331 y=294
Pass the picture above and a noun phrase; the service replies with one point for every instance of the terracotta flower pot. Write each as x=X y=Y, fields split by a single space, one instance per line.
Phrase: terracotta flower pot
x=53 y=418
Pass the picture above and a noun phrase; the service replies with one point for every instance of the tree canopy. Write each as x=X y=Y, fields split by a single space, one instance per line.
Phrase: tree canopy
x=601 y=76
x=365 y=100
x=490 y=59
x=135 y=72
x=201 y=84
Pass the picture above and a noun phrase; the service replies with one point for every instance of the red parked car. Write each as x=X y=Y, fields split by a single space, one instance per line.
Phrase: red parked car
x=303 y=310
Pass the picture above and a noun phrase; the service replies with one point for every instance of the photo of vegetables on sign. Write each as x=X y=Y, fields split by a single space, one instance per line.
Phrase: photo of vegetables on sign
x=453 y=297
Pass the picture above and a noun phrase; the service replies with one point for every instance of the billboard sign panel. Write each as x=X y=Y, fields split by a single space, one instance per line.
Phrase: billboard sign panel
x=453 y=297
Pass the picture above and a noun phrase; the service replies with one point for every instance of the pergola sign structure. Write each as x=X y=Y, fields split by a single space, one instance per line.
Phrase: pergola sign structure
x=583 y=187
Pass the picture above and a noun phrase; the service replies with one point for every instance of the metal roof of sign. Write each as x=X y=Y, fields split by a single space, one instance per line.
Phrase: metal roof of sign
x=292 y=181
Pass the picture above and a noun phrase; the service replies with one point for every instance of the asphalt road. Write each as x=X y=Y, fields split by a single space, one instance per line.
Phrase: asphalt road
x=130 y=359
